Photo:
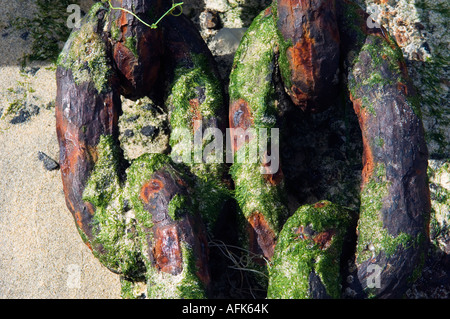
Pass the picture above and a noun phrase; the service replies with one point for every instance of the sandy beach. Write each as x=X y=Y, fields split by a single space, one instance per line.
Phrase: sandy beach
x=41 y=252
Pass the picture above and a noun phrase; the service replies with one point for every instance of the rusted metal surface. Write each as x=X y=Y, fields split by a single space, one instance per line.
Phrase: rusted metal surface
x=240 y=117
x=82 y=116
x=165 y=249
x=137 y=67
x=261 y=236
x=139 y=62
x=311 y=29
x=328 y=46
x=393 y=138
x=320 y=41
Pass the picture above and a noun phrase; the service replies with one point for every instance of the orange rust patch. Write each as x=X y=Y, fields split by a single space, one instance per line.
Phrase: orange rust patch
x=301 y=233
x=239 y=117
x=123 y=24
x=300 y=57
x=125 y=60
x=92 y=153
x=150 y=188
x=402 y=88
x=320 y=204
x=323 y=239
x=90 y=208
x=167 y=251
x=368 y=159
x=273 y=179
x=268 y=12
x=196 y=113
x=401 y=38
x=262 y=237
x=181 y=182
x=78 y=219
x=368 y=162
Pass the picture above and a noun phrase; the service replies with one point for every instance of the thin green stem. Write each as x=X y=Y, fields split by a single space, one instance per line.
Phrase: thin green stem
x=153 y=25
x=174 y=5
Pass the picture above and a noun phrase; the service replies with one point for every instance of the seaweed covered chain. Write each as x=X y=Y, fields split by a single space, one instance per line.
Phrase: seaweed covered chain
x=323 y=51
x=142 y=218
x=150 y=218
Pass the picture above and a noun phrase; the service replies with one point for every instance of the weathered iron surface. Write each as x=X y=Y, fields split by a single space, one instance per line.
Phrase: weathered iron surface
x=136 y=48
x=326 y=48
x=82 y=116
x=310 y=33
x=313 y=49
x=165 y=249
x=113 y=55
x=395 y=157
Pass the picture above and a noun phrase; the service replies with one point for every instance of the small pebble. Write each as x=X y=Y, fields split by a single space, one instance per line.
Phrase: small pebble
x=49 y=163
x=128 y=133
x=133 y=118
x=24 y=36
x=21 y=118
x=210 y=19
x=149 y=131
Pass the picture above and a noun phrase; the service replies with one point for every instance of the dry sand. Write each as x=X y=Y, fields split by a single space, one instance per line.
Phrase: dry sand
x=41 y=252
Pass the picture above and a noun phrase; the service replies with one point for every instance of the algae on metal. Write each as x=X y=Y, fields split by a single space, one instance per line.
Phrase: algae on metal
x=199 y=83
x=160 y=284
x=371 y=232
x=85 y=53
x=253 y=67
x=298 y=255
x=123 y=227
x=251 y=80
x=185 y=285
x=104 y=190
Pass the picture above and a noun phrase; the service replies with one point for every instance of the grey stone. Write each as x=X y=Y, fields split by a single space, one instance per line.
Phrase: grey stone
x=49 y=163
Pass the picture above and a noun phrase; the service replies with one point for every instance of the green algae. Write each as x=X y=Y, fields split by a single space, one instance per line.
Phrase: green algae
x=251 y=80
x=198 y=83
x=373 y=238
x=85 y=54
x=176 y=206
x=182 y=90
x=253 y=67
x=297 y=254
x=105 y=191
